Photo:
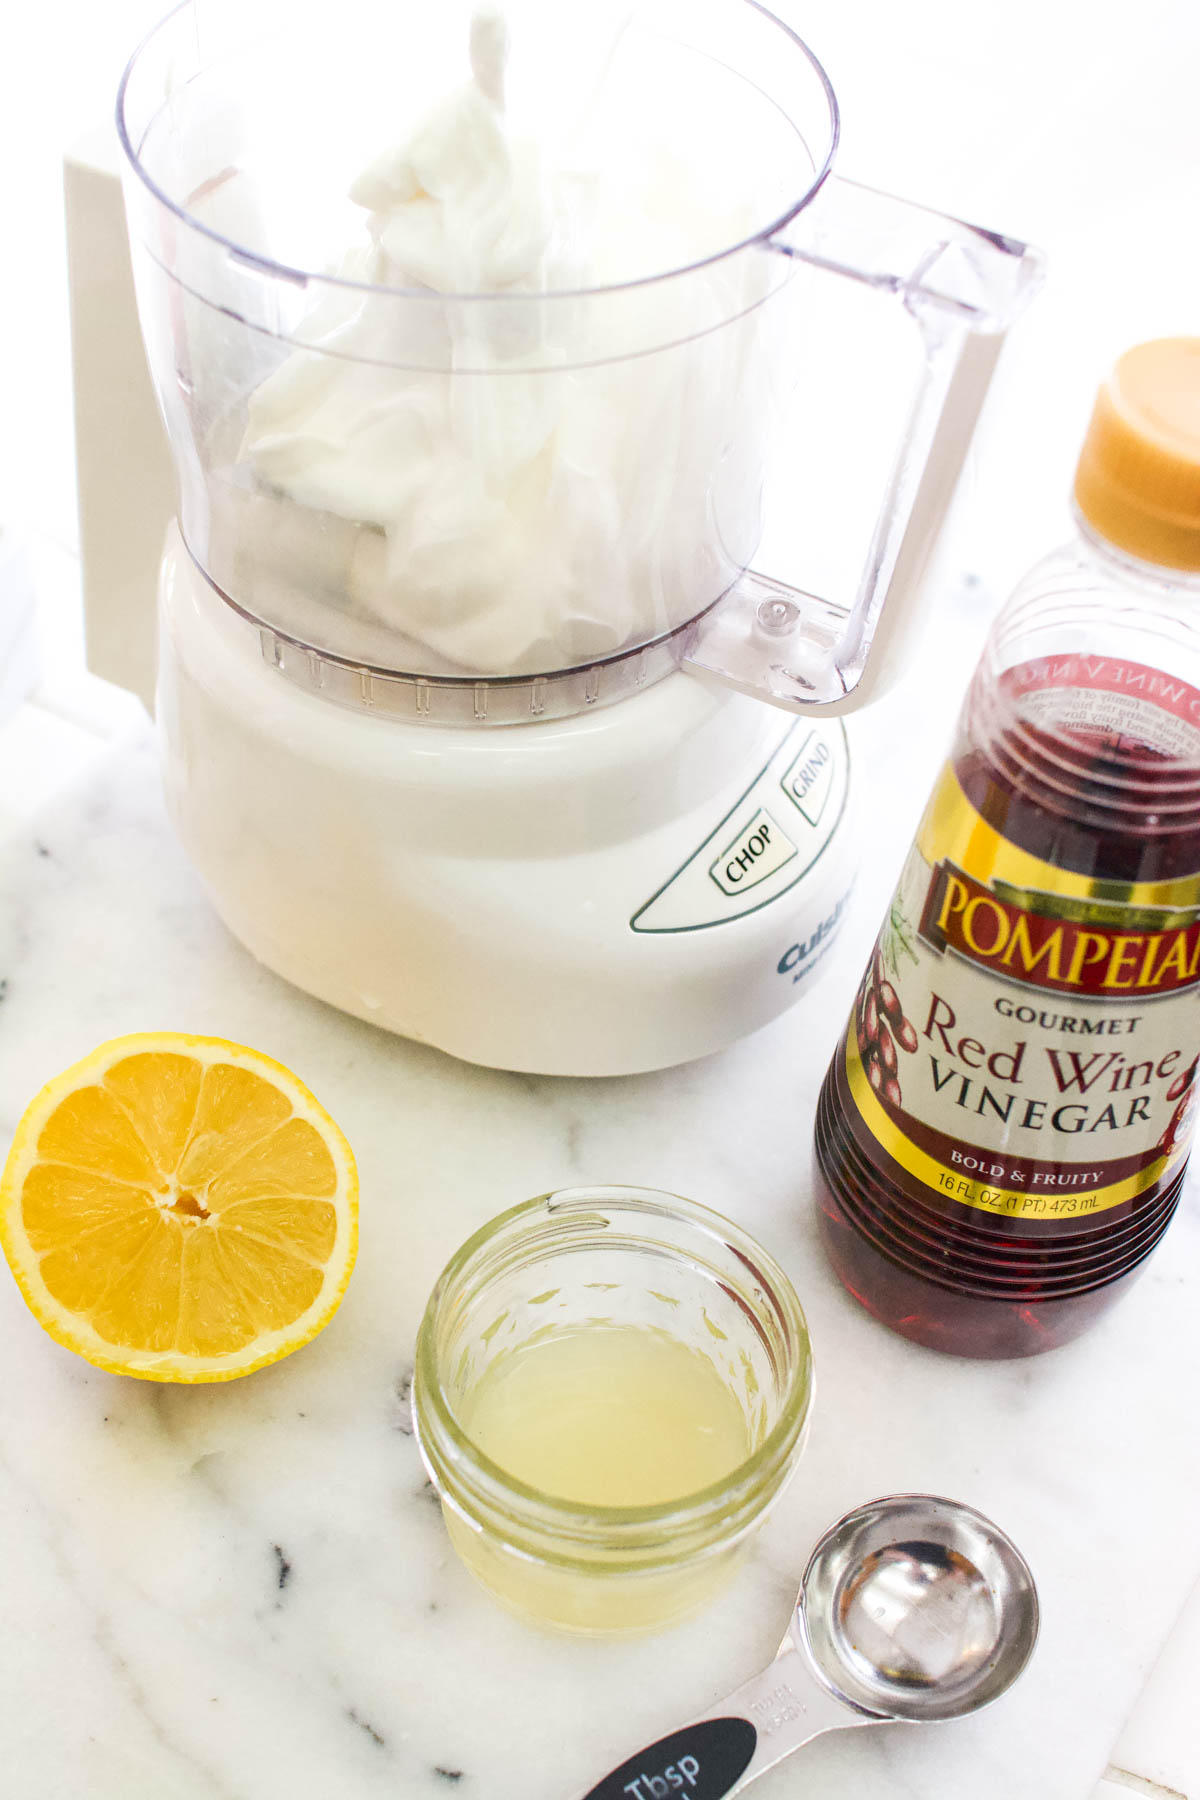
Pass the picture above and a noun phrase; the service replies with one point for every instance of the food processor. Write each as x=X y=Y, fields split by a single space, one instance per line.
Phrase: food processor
x=476 y=338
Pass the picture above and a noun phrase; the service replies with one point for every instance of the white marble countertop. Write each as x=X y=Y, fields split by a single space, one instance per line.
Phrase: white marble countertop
x=245 y=1593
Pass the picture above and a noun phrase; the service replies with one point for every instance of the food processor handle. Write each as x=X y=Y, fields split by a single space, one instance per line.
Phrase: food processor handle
x=962 y=287
x=740 y=1738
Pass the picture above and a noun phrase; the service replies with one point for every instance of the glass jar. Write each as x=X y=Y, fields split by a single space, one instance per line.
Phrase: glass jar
x=599 y=1257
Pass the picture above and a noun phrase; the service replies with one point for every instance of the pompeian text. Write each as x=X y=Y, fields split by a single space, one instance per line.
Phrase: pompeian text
x=963 y=915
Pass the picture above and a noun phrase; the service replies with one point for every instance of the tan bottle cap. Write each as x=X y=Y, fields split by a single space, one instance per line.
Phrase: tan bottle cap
x=1138 y=480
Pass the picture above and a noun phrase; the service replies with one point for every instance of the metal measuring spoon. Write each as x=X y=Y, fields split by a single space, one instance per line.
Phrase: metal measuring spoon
x=912 y=1609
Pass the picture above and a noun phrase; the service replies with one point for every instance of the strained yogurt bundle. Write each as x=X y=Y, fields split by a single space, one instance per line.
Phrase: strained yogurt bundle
x=554 y=461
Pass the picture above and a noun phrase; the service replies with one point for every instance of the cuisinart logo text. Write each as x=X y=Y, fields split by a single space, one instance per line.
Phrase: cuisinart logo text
x=795 y=960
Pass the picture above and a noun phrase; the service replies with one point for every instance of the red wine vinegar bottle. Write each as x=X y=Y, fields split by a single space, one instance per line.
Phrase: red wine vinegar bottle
x=1003 y=1133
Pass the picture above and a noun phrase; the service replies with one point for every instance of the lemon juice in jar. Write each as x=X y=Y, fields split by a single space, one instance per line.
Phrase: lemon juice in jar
x=614 y=1415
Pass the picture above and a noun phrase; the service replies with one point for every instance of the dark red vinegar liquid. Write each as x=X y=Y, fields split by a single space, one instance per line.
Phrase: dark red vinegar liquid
x=977 y=1284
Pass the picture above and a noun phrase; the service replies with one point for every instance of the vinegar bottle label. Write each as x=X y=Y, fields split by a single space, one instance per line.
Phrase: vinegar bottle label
x=1024 y=1039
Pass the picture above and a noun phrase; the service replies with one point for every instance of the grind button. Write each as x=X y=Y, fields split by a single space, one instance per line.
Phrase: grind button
x=759 y=848
x=809 y=779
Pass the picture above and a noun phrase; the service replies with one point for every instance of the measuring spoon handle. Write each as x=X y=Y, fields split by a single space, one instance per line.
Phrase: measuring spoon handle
x=738 y=1739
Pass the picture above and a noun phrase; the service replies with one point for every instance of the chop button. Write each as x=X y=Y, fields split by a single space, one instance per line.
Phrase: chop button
x=759 y=848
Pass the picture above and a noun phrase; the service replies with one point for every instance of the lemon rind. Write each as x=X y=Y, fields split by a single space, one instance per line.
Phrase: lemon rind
x=69 y=1329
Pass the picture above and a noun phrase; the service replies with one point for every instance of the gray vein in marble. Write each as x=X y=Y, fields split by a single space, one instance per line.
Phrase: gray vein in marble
x=106 y=1643
x=404 y=1424
x=365 y=1725
x=169 y=1409
x=55 y=1535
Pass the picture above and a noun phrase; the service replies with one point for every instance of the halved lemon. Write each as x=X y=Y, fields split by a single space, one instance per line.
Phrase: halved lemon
x=179 y=1208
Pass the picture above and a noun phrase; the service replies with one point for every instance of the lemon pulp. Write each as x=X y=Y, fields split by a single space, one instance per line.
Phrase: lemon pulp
x=179 y=1208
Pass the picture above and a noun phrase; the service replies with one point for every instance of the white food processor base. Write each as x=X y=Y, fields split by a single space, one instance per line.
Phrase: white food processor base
x=617 y=891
